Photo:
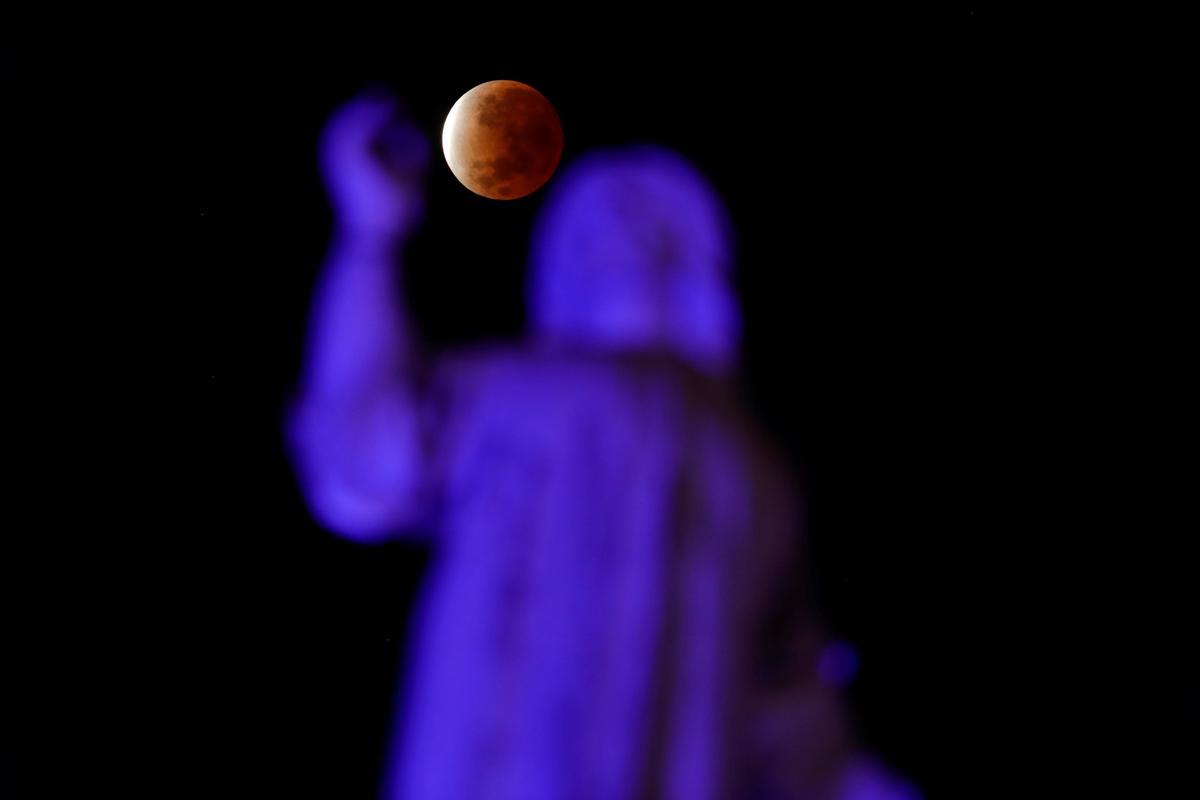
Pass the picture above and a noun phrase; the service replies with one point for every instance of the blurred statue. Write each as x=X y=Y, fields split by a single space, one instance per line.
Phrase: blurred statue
x=610 y=614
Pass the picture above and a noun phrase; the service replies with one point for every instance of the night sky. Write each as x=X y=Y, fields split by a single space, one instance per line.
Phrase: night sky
x=859 y=159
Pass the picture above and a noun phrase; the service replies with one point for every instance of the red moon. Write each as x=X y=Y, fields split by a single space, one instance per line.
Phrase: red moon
x=502 y=140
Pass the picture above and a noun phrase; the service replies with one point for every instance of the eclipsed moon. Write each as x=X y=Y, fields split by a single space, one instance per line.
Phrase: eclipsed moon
x=502 y=139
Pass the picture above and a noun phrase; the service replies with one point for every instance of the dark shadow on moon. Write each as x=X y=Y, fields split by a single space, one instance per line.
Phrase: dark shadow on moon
x=528 y=142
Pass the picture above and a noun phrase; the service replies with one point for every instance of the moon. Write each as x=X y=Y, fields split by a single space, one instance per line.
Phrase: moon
x=502 y=140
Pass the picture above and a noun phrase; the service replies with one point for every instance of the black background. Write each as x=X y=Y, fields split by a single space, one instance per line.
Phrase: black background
x=864 y=161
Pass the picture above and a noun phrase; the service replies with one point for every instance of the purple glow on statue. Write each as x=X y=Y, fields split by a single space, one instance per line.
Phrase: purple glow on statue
x=634 y=249
x=611 y=530
x=838 y=663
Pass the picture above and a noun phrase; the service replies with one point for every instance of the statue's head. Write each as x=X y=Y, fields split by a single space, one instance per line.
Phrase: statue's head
x=633 y=251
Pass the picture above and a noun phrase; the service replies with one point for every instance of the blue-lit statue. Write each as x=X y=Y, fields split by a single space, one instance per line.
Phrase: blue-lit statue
x=612 y=534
